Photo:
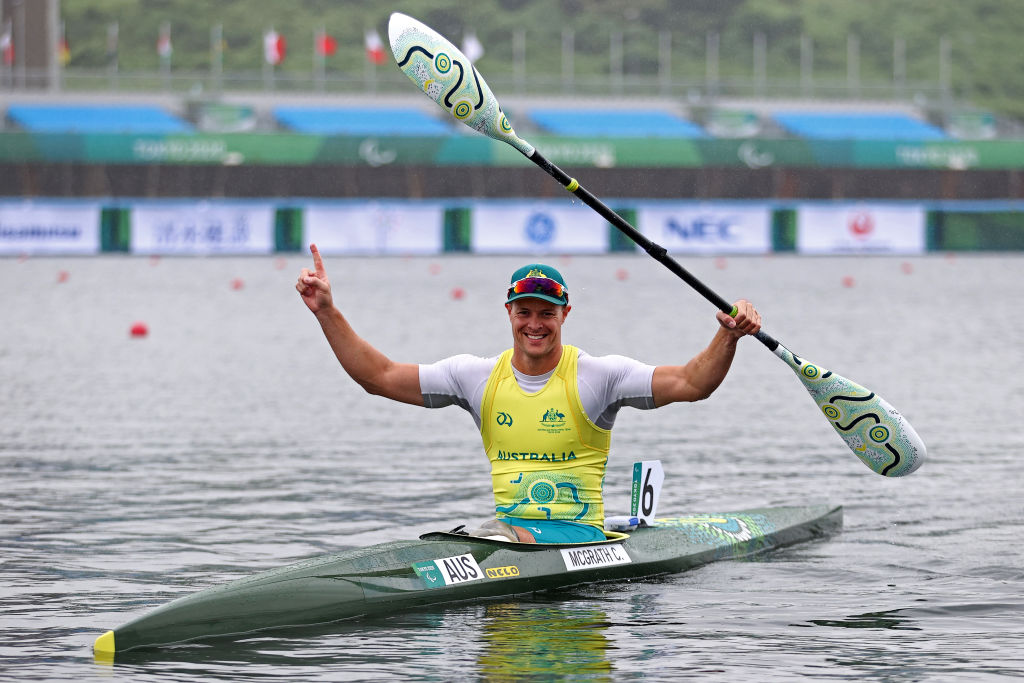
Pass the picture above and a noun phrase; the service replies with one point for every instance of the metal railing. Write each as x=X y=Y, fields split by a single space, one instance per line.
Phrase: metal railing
x=81 y=81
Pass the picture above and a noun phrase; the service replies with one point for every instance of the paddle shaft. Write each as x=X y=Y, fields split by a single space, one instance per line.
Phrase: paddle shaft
x=656 y=251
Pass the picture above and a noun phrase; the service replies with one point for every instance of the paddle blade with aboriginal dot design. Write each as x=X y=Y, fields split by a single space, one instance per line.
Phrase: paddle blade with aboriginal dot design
x=875 y=431
x=446 y=76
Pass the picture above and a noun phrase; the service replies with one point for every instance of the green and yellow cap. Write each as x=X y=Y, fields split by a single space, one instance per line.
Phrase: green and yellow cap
x=538 y=281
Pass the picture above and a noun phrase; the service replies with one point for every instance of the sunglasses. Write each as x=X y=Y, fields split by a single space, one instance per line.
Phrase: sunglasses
x=539 y=285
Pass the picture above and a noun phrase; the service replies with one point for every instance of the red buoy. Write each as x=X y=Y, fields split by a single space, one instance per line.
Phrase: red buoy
x=907 y=267
x=62 y=276
x=237 y=283
x=458 y=293
x=139 y=329
x=621 y=274
x=848 y=281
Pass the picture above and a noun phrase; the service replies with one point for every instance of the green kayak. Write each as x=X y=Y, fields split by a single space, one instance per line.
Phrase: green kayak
x=444 y=568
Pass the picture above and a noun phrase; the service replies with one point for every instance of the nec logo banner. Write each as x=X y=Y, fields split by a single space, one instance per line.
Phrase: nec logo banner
x=697 y=228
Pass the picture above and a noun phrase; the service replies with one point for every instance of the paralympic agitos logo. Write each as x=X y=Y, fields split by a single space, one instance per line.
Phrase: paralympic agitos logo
x=504 y=419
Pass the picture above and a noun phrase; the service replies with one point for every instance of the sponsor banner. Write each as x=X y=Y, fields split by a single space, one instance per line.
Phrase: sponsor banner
x=537 y=228
x=592 y=556
x=860 y=228
x=755 y=153
x=49 y=228
x=606 y=152
x=687 y=228
x=375 y=228
x=287 y=148
x=202 y=228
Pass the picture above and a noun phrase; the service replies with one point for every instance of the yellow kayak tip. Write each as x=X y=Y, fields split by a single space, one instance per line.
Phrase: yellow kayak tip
x=103 y=648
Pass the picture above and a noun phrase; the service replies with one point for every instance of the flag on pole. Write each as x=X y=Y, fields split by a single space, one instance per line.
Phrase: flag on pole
x=7 y=44
x=163 y=43
x=63 y=50
x=471 y=46
x=112 y=31
x=274 y=47
x=326 y=44
x=374 y=48
x=217 y=51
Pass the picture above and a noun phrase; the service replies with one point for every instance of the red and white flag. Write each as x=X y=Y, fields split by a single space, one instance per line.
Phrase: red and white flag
x=274 y=47
x=326 y=44
x=163 y=43
x=7 y=44
x=375 y=48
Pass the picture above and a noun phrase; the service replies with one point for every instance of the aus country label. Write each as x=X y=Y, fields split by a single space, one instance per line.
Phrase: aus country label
x=448 y=571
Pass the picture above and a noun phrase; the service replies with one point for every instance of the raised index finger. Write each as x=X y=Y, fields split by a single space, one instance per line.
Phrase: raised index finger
x=318 y=263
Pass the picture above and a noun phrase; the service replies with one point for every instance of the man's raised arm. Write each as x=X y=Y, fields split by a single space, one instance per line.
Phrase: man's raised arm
x=699 y=378
x=370 y=368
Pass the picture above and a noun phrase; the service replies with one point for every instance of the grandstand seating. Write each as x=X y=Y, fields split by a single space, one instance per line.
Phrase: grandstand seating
x=411 y=121
x=95 y=119
x=359 y=121
x=615 y=123
x=856 y=126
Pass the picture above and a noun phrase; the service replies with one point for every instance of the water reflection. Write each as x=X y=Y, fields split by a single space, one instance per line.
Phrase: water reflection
x=135 y=470
x=543 y=642
x=892 y=620
x=501 y=641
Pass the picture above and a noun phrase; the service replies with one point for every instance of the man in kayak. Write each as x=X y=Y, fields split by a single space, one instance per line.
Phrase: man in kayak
x=545 y=410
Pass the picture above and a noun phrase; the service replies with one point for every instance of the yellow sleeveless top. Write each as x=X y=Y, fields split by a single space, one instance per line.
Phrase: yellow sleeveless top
x=547 y=458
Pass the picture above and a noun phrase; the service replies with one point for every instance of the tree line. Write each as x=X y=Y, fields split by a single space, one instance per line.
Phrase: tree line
x=893 y=40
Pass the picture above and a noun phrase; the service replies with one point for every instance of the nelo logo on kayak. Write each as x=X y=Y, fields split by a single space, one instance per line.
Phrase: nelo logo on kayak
x=502 y=572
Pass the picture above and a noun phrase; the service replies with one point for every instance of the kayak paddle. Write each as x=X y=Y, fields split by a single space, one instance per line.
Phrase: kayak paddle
x=870 y=426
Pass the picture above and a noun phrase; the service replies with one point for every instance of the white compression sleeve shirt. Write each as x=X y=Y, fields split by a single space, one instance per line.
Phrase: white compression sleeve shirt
x=606 y=383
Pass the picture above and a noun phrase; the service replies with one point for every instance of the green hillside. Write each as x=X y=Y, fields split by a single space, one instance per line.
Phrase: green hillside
x=987 y=62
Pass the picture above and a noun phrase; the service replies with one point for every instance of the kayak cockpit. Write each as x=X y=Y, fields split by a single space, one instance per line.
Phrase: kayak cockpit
x=454 y=535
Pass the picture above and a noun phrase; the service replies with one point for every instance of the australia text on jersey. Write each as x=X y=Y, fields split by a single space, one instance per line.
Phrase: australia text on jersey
x=525 y=455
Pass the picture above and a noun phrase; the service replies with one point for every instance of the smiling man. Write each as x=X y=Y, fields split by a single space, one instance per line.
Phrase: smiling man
x=545 y=409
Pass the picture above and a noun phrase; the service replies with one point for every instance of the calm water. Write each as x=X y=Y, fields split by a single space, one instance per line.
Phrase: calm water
x=228 y=441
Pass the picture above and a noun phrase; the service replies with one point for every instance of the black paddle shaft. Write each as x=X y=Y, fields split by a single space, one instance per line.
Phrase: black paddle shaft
x=657 y=252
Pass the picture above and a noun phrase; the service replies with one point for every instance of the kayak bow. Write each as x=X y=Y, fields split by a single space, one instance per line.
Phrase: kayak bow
x=445 y=568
